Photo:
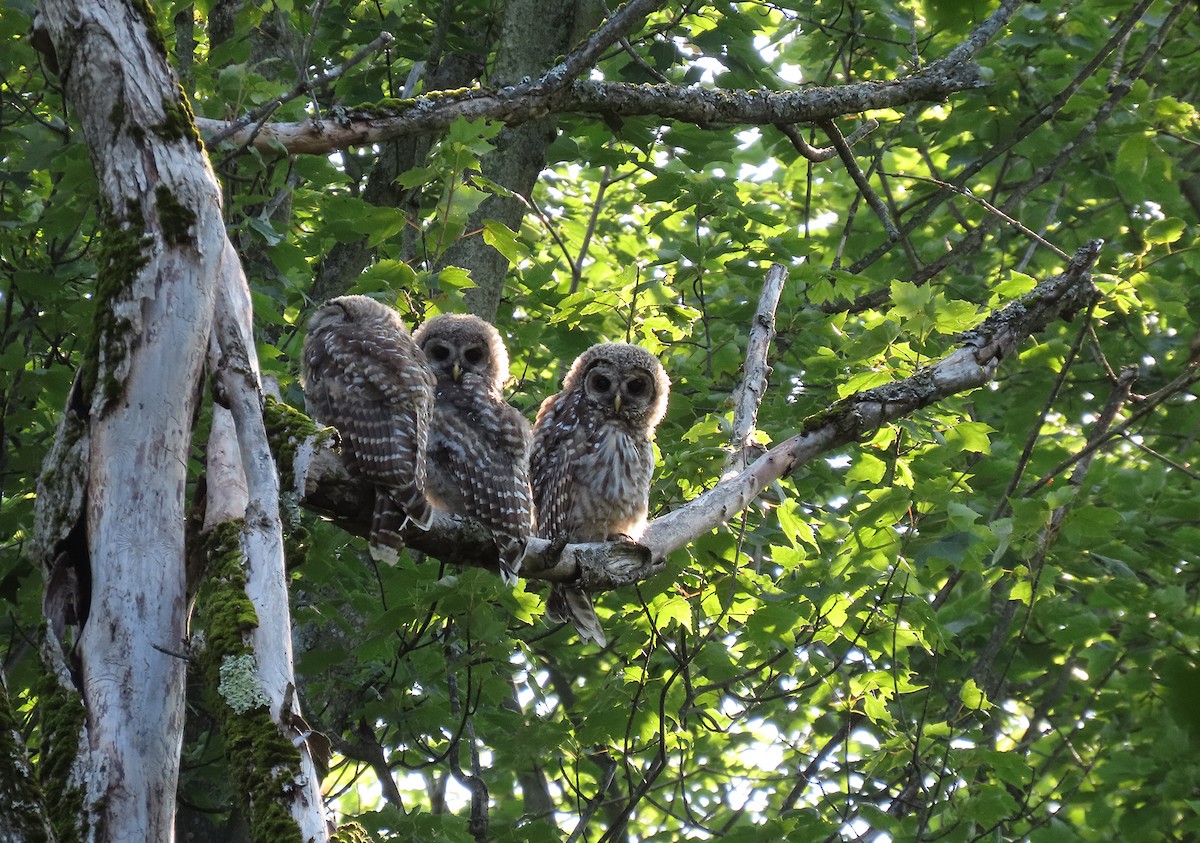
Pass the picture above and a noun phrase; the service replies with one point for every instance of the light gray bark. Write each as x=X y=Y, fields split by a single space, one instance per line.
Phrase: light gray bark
x=249 y=491
x=153 y=319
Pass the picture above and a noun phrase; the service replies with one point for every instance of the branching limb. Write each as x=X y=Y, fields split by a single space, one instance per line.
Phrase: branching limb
x=327 y=488
x=263 y=112
x=614 y=30
x=857 y=416
x=521 y=103
x=818 y=154
x=748 y=396
x=860 y=178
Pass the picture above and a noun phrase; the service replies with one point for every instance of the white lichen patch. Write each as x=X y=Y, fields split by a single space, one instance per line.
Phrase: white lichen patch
x=239 y=685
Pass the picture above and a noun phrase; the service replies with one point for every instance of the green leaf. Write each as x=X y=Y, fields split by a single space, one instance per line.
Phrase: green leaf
x=1165 y=231
x=867 y=468
x=974 y=437
x=503 y=239
x=972 y=696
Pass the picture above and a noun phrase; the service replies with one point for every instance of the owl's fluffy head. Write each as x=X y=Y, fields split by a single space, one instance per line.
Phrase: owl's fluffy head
x=623 y=380
x=354 y=309
x=457 y=345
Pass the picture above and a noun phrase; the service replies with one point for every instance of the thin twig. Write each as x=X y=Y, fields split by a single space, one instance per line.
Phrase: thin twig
x=1189 y=376
x=1163 y=458
x=992 y=682
x=817 y=154
x=860 y=179
x=990 y=208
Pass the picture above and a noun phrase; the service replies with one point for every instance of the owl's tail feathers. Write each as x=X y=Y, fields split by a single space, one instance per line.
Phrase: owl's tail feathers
x=413 y=503
x=512 y=554
x=574 y=605
x=394 y=509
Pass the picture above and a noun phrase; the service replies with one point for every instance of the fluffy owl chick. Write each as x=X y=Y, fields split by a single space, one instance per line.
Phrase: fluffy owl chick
x=478 y=454
x=363 y=374
x=593 y=459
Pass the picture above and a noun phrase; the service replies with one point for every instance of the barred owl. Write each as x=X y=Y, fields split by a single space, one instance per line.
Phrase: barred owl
x=363 y=374
x=592 y=460
x=478 y=455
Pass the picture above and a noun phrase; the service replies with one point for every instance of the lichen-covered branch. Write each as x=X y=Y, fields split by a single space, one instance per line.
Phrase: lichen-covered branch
x=519 y=103
x=326 y=487
x=243 y=511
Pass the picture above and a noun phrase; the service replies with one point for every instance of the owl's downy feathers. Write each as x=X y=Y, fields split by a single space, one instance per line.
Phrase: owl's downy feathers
x=363 y=374
x=593 y=459
x=478 y=453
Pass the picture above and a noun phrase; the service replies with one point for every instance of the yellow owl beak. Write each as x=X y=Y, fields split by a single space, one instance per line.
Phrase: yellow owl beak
x=617 y=403
x=457 y=372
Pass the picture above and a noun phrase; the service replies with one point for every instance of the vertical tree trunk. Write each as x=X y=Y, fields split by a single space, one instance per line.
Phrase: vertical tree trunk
x=243 y=513
x=154 y=309
x=534 y=33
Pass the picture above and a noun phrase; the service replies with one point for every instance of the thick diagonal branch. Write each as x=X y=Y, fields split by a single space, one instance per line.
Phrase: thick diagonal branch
x=325 y=486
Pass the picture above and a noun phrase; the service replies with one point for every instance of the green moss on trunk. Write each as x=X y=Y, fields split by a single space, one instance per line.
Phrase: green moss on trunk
x=61 y=715
x=264 y=763
x=124 y=251
x=176 y=218
x=287 y=429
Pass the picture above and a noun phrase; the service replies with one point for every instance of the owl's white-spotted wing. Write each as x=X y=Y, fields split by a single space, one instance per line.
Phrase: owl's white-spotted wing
x=483 y=447
x=370 y=382
x=551 y=471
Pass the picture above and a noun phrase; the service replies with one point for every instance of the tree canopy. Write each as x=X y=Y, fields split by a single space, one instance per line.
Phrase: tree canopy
x=923 y=274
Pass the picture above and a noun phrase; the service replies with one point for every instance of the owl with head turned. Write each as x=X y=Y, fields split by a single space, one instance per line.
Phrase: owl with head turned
x=593 y=459
x=363 y=374
x=478 y=453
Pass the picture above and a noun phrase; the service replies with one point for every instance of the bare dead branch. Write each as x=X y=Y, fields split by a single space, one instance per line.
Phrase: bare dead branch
x=748 y=395
x=859 y=415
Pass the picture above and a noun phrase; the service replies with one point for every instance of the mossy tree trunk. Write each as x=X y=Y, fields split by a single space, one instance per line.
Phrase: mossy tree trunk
x=112 y=497
x=132 y=422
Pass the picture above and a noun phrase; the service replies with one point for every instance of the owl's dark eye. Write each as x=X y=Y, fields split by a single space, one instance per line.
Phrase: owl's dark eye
x=439 y=353
x=473 y=354
x=637 y=386
x=601 y=383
